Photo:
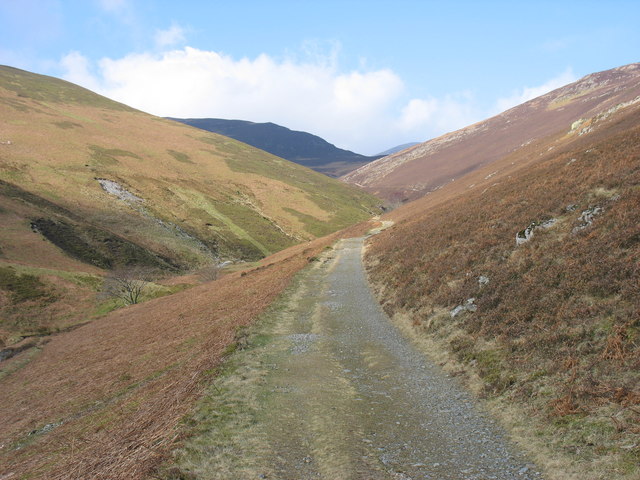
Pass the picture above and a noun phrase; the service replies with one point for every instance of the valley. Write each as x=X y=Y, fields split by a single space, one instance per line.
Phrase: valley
x=326 y=387
x=109 y=399
x=486 y=325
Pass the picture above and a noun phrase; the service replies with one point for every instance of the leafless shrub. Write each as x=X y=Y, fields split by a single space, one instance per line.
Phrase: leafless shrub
x=209 y=273
x=127 y=283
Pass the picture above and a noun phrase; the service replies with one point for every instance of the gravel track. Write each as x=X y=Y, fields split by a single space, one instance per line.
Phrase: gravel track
x=334 y=391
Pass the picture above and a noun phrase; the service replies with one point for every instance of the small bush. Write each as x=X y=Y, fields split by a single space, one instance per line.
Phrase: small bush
x=22 y=287
x=127 y=284
x=209 y=273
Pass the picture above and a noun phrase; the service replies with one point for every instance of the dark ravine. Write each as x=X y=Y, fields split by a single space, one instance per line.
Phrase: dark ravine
x=328 y=388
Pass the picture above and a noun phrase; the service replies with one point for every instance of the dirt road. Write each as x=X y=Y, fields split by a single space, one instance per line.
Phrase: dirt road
x=328 y=389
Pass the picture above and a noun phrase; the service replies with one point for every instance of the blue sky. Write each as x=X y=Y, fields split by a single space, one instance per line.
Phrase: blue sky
x=365 y=75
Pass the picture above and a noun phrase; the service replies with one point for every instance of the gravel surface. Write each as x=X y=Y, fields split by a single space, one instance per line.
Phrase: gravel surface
x=334 y=391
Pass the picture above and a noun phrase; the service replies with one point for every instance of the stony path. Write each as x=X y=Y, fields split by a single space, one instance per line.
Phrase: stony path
x=330 y=390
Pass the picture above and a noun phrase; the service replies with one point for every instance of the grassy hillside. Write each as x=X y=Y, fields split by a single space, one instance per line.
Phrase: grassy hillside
x=107 y=400
x=87 y=184
x=549 y=324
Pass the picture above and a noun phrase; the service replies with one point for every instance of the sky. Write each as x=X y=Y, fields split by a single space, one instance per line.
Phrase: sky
x=364 y=75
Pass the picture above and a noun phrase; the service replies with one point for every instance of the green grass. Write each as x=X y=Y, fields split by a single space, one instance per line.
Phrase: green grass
x=67 y=125
x=329 y=194
x=23 y=287
x=108 y=156
x=240 y=230
x=81 y=279
x=311 y=224
x=49 y=89
x=266 y=236
x=346 y=205
x=179 y=156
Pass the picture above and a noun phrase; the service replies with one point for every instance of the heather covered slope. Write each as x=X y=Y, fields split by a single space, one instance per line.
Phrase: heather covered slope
x=429 y=166
x=299 y=147
x=87 y=184
x=526 y=274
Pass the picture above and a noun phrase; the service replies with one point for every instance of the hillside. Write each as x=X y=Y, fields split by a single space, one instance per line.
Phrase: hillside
x=110 y=399
x=88 y=184
x=299 y=147
x=429 y=166
x=522 y=278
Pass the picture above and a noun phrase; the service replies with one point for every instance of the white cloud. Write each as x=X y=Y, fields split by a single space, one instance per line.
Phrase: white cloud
x=529 y=93
x=113 y=5
x=364 y=111
x=77 y=68
x=425 y=118
x=123 y=11
x=169 y=37
x=418 y=112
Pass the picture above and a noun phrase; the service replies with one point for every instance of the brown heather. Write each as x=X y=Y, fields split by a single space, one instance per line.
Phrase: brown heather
x=107 y=399
x=557 y=327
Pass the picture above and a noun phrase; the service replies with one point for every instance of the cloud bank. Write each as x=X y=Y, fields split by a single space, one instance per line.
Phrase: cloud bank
x=364 y=111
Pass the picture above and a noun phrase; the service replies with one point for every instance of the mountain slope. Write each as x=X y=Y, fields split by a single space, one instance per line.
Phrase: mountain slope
x=87 y=184
x=299 y=147
x=426 y=167
x=522 y=277
x=107 y=164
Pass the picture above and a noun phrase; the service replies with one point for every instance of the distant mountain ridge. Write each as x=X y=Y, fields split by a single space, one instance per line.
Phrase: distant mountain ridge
x=421 y=169
x=296 y=146
x=397 y=149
